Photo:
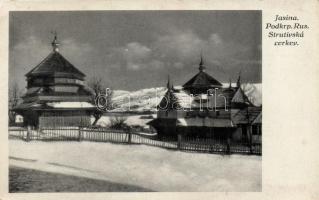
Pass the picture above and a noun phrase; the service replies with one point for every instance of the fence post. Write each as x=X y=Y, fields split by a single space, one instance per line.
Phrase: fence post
x=28 y=133
x=250 y=139
x=38 y=132
x=80 y=134
x=179 y=141
x=228 y=142
x=129 y=132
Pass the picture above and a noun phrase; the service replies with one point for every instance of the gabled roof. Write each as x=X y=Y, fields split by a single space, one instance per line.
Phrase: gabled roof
x=55 y=64
x=202 y=79
x=240 y=97
x=169 y=101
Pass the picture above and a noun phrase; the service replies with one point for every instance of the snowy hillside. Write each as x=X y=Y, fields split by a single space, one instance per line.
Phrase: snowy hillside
x=140 y=100
x=253 y=92
x=147 y=99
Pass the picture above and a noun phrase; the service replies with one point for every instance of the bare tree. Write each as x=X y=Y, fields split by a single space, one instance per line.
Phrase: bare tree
x=14 y=97
x=100 y=89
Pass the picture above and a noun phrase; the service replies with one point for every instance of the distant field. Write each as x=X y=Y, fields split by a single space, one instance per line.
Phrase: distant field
x=29 y=180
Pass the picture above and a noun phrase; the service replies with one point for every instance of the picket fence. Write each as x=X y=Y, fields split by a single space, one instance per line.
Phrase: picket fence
x=129 y=137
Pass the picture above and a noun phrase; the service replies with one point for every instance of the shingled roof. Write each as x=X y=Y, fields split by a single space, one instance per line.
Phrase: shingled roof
x=240 y=97
x=202 y=79
x=55 y=64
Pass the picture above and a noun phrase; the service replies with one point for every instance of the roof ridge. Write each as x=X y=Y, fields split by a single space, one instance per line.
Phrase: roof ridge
x=245 y=97
x=70 y=63
x=37 y=66
x=209 y=79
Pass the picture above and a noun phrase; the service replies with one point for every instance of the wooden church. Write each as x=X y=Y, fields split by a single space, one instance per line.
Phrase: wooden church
x=56 y=94
x=203 y=108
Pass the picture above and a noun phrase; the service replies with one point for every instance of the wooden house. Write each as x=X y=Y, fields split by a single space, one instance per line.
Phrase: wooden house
x=204 y=108
x=56 y=94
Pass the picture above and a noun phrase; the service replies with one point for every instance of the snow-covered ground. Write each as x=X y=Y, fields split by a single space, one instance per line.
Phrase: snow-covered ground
x=131 y=120
x=149 y=167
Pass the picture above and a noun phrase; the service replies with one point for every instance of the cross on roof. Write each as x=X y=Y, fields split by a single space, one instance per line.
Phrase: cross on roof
x=55 y=44
x=201 y=63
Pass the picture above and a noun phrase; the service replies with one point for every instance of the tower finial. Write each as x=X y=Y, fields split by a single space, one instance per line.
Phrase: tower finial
x=55 y=44
x=201 y=63
x=238 y=80
x=168 y=83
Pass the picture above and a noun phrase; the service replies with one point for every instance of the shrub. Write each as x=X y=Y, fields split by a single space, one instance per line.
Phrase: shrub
x=118 y=123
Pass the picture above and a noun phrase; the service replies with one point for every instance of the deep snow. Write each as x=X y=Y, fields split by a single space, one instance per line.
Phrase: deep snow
x=149 y=167
x=132 y=120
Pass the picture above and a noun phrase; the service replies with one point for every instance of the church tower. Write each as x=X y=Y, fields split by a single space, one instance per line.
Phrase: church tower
x=56 y=94
x=201 y=82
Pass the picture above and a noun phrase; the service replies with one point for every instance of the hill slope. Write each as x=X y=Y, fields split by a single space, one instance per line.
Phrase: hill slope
x=147 y=99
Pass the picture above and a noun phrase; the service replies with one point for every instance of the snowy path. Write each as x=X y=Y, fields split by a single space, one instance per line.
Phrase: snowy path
x=149 y=167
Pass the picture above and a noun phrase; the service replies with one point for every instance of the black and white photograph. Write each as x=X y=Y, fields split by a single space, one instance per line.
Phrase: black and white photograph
x=135 y=101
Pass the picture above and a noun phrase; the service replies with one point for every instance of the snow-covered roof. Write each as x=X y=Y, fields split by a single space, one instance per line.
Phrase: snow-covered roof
x=204 y=122
x=70 y=105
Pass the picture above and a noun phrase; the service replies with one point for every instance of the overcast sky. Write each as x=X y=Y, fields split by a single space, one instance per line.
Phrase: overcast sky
x=131 y=50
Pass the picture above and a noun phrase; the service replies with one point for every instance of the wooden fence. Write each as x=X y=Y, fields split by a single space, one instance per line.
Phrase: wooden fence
x=127 y=137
